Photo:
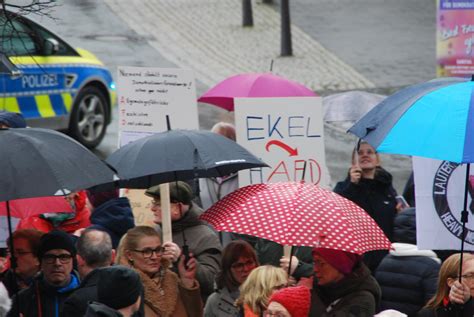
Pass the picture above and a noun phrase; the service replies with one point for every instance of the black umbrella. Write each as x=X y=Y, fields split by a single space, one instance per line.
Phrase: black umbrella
x=40 y=162
x=179 y=155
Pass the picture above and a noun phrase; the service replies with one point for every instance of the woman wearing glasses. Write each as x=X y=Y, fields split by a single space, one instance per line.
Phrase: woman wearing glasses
x=453 y=298
x=166 y=293
x=257 y=289
x=238 y=260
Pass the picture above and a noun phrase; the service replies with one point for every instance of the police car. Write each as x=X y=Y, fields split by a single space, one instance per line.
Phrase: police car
x=52 y=84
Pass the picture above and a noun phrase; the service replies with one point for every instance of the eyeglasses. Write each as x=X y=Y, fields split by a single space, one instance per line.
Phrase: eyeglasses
x=17 y=254
x=239 y=266
x=157 y=203
x=51 y=258
x=469 y=276
x=148 y=252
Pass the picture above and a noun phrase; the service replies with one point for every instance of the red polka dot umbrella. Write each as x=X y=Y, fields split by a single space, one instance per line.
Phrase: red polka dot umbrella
x=297 y=214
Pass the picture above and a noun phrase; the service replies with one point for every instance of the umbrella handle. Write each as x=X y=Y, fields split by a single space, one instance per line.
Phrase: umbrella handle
x=464 y=218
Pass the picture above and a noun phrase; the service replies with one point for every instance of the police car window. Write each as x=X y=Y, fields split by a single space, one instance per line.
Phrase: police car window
x=64 y=49
x=16 y=38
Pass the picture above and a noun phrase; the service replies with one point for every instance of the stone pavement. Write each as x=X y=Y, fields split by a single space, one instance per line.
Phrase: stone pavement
x=207 y=36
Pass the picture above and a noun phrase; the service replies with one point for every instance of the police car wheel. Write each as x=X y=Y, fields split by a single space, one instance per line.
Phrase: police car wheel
x=88 y=118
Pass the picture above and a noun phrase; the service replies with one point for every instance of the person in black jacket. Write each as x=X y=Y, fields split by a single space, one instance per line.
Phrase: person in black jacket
x=370 y=187
x=111 y=213
x=94 y=251
x=56 y=282
x=408 y=276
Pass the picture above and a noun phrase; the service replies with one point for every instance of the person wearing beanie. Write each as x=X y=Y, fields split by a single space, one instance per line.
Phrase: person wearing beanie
x=12 y=120
x=289 y=302
x=119 y=292
x=189 y=232
x=56 y=281
x=343 y=285
x=418 y=269
x=110 y=213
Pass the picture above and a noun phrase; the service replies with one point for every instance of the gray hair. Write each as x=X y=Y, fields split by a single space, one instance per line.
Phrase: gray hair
x=95 y=247
x=5 y=302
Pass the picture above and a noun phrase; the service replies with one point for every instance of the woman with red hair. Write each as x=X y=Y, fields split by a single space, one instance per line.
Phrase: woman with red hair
x=343 y=285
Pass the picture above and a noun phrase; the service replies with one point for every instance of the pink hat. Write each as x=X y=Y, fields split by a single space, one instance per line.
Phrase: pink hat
x=296 y=300
x=342 y=261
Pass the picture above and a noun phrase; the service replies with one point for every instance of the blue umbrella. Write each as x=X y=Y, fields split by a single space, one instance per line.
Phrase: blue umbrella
x=434 y=119
x=431 y=120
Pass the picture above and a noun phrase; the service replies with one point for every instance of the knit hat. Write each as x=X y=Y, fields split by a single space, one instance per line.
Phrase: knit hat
x=12 y=119
x=56 y=240
x=296 y=300
x=342 y=261
x=181 y=193
x=118 y=286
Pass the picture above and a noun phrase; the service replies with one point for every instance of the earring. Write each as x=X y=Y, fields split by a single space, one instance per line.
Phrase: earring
x=131 y=262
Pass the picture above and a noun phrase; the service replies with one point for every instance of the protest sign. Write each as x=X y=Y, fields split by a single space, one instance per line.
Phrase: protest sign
x=455 y=38
x=146 y=97
x=287 y=134
x=439 y=191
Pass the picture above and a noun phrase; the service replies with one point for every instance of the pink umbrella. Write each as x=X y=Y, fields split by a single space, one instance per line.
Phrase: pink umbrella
x=297 y=214
x=253 y=85
x=27 y=207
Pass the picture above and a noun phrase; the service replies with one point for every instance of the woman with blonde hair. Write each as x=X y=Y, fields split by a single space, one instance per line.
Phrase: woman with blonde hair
x=259 y=286
x=453 y=298
x=166 y=293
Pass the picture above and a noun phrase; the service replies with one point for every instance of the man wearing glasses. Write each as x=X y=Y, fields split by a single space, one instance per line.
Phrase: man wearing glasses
x=55 y=283
x=189 y=233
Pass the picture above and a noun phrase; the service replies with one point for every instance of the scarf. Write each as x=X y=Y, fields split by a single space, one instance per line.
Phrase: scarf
x=161 y=292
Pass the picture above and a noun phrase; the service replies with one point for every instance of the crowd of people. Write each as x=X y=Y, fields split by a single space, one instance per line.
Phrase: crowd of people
x=99 y=263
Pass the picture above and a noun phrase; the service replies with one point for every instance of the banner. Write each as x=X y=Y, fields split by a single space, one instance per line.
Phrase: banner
x=287 y=134
x=439 y=191
x=455 y=38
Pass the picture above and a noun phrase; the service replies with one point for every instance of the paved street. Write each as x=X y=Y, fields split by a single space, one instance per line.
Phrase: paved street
x=373 y=45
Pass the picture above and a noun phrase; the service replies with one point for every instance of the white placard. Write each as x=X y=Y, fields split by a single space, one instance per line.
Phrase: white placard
x=439 y=192
x=285 y=133
x=146 y=95
x=4 y=229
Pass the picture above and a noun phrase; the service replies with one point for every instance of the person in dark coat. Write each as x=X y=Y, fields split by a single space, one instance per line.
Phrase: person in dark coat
x=370 y=187
x=453 y=298
x=94 y=251
x=56 y=281
x=343 y=286
x=408 y=276
x=111 y=213
x=188 y=230
x=119 y=293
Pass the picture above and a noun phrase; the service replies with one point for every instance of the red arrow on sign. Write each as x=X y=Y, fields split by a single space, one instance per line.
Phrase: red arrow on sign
x=286 y=147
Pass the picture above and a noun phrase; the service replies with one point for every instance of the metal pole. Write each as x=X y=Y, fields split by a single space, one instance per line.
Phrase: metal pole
x=247 y=16
x=286 y=49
